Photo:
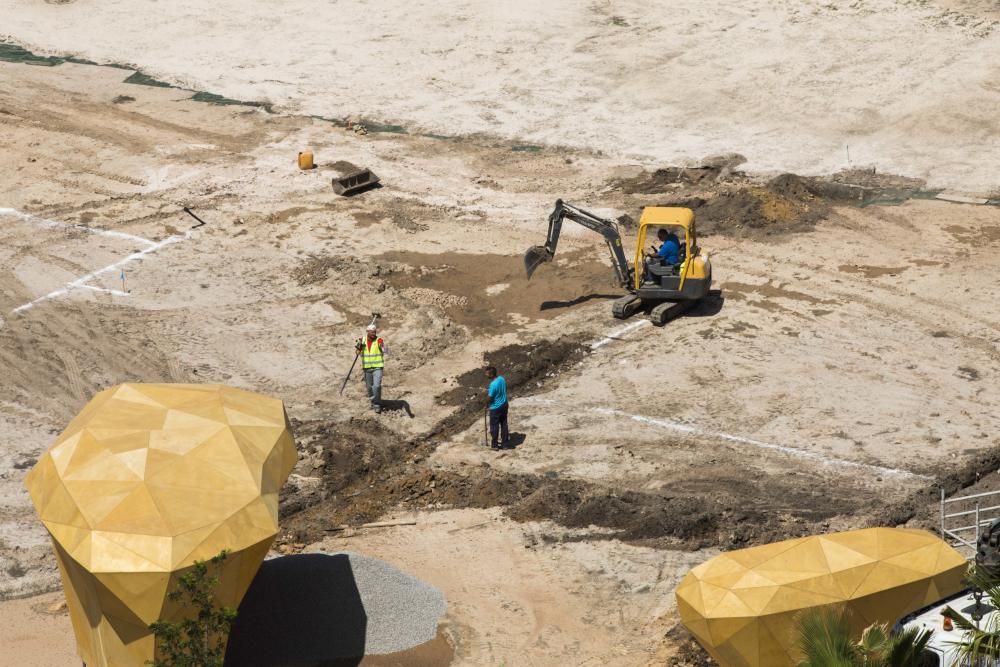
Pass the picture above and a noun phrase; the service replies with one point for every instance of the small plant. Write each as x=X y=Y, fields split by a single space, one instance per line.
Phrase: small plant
x=825 y=641
x=199 y=640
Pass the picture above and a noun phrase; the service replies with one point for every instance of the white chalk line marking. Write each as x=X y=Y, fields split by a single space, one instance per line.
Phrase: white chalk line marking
x=43 y=222
x=79 y=282
x=618 y=333
x=116 y=292
x=689 y=428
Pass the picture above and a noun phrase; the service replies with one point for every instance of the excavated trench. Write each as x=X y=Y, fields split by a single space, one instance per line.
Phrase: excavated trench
x=359 y=470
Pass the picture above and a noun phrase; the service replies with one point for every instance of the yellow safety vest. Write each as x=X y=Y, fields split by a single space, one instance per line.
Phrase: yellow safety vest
x=371 y=355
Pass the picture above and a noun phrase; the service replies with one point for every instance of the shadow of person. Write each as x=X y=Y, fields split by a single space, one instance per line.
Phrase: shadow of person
x=516 y=440
x=300 y=611
x=397 y=405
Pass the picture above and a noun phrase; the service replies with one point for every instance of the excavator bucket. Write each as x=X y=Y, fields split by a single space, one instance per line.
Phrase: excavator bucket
x=535 y=257
x=354 y=182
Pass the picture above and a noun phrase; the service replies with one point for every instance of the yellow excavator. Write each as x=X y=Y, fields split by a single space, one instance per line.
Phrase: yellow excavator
x=663 y=287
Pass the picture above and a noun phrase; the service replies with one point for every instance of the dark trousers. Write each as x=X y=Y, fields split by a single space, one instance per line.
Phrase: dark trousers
x=498 y=424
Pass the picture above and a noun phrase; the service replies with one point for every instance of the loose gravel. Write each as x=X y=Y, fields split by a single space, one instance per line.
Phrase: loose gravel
x=308 y=609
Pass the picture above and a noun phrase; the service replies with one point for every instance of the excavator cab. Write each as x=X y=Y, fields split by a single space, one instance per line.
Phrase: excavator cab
x=687 y=280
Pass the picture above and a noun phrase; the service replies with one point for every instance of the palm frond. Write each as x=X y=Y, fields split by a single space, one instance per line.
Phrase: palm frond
x=874 y=640
x=825 y=639
x=979 y=644
x=904 y=648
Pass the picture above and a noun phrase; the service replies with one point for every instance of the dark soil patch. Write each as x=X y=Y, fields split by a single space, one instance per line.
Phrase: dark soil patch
x=968 y=373
x=364 y=470
x=663 y=180
x=519 y=364
x=869 y=178
x=712 y=170
x=979 y=473
x=736 y=207
x=731 y=203
x=346 y=270
x=484 y=291
x=689 y=652
x=872 y=271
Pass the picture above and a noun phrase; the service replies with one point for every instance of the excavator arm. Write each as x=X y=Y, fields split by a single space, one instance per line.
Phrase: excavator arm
x=537 y=255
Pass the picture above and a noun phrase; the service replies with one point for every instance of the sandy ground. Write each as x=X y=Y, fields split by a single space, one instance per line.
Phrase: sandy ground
x=516 y=596
x=809 y=87
x=842 y=369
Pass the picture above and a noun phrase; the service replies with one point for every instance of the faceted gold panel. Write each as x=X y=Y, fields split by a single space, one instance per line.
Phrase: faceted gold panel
x=743 y=606
x=147 y=479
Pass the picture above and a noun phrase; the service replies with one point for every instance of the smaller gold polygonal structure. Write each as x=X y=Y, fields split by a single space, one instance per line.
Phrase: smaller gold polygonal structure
x=146 y=480
x=743 y=606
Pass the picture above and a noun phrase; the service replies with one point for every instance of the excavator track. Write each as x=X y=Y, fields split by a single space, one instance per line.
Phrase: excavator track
x=669 y=310
x=626 y=306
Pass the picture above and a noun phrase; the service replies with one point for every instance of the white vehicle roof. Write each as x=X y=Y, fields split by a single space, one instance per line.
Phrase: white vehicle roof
x=942 y=642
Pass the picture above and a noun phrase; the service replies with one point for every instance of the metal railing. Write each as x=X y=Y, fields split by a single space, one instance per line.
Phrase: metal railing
x=980 y=508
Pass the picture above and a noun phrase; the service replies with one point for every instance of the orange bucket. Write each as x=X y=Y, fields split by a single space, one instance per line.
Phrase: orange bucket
x=306 y=160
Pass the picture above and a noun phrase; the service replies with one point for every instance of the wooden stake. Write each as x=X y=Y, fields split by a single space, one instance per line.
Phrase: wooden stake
x=376 y=524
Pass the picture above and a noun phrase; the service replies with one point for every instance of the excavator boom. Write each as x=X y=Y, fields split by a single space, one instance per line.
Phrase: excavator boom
x=538 y=255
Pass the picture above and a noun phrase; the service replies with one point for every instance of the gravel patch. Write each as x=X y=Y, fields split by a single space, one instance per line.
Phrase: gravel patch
x=403 y=611
x=310 y=609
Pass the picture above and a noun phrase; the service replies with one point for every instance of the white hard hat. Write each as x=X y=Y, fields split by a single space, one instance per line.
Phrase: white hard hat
x=371 y=327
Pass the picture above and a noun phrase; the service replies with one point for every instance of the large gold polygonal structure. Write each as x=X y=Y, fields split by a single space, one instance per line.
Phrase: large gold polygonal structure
x=743 y=606
x=147 y=479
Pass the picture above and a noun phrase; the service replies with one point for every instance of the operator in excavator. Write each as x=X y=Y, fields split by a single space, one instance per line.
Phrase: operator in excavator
x=669 y=252
x=670 y=247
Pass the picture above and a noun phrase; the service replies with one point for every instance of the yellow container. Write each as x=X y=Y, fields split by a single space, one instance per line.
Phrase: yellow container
x=306 y=160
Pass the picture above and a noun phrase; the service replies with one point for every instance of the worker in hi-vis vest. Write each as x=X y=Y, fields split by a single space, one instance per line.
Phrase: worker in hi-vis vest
x=372 y=351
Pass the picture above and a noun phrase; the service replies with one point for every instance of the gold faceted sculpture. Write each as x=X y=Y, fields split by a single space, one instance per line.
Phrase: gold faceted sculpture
x=147 y=479
x=743 y=606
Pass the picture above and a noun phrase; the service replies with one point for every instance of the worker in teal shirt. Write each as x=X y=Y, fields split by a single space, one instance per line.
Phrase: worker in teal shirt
x=497 y=394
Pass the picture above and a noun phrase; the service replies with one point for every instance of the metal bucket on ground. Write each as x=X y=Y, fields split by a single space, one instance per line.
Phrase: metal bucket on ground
x=354 y=182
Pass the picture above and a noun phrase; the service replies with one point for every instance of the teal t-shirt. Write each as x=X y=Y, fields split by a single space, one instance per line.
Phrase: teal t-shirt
x=497 y=392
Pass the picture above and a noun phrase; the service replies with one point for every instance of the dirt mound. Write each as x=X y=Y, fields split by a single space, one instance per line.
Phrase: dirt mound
x=868 y=178
x=354 y=471
x=338 y=456
x=663 y=180
x=792 y=186
x=712 y=169
x=365 y=478
x=786 y=204
x=347 y=270
x=360 y=470
x=921 y=509
x=729 y=202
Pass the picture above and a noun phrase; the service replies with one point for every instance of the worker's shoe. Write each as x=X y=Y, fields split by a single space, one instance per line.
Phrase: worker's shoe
x=377 y=409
